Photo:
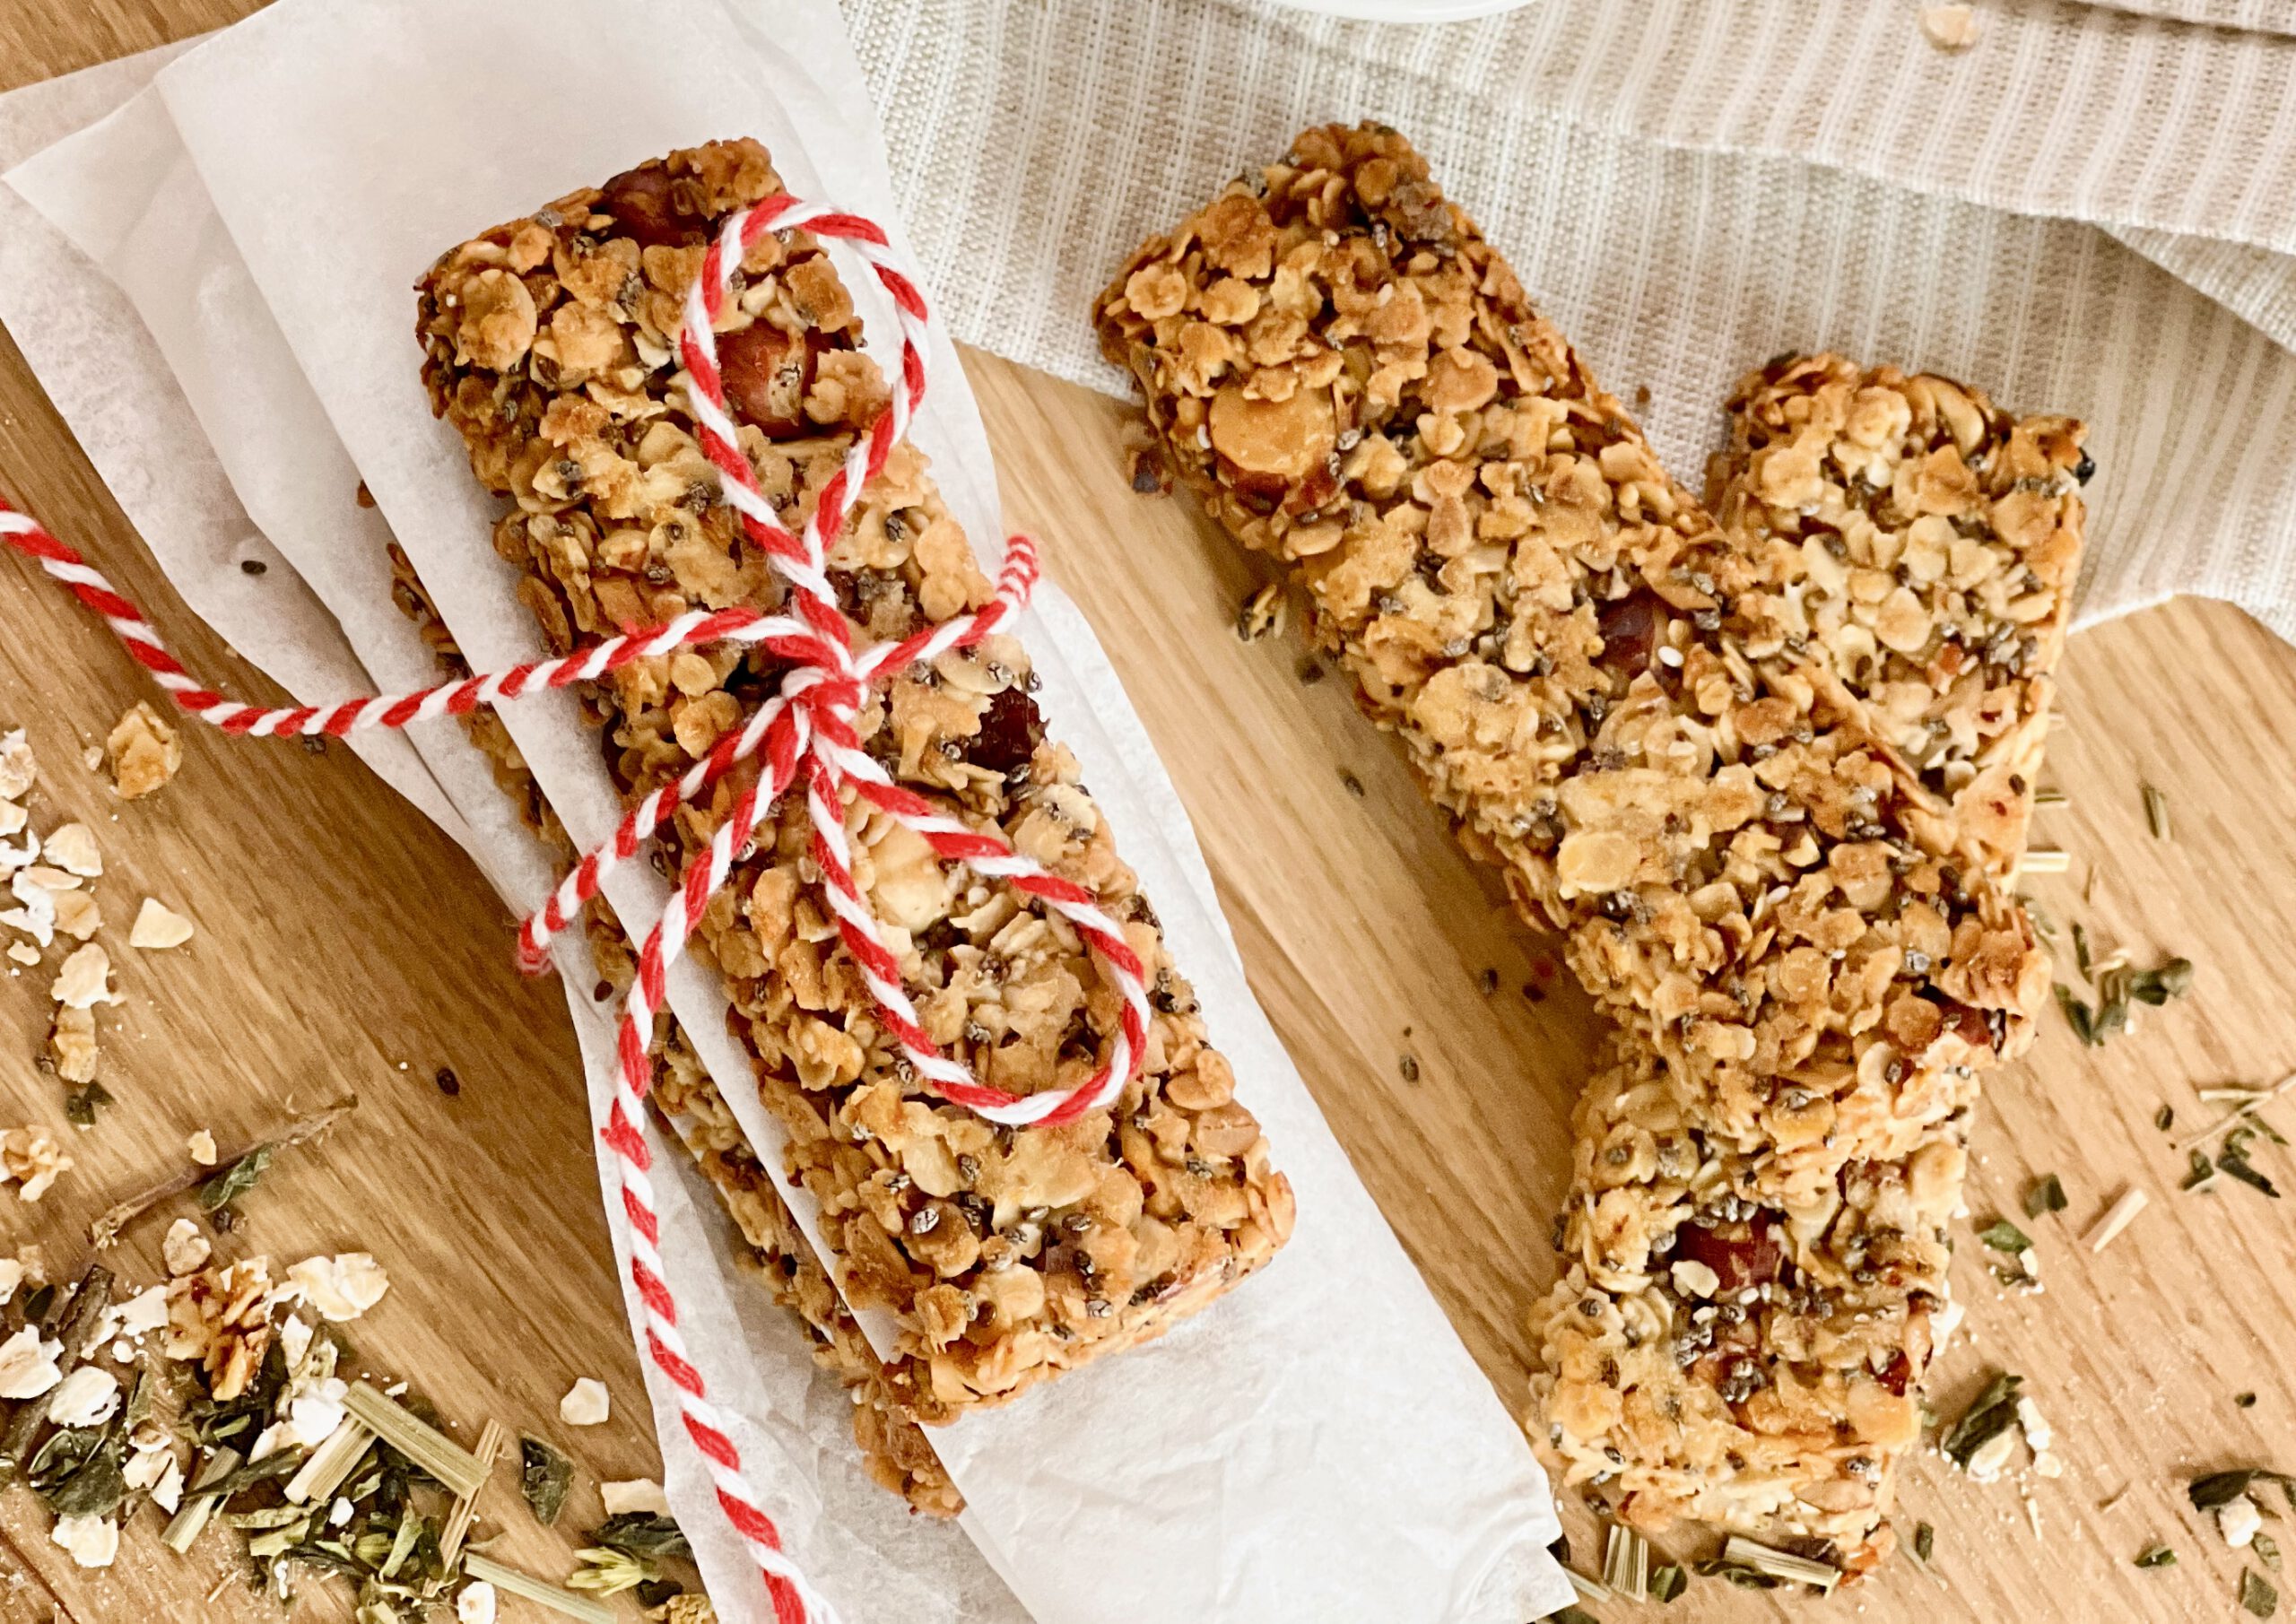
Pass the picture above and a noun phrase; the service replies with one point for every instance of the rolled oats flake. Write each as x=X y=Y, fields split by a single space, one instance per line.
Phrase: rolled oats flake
x=84 y=978
x=73 y=849
x=17 y=769
x=158 y=926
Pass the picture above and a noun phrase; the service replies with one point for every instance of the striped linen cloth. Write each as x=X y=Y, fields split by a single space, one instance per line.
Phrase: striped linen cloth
x=2090 y=209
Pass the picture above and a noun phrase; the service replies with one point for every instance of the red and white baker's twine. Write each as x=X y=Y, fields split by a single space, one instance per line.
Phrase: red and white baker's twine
x=805 y=732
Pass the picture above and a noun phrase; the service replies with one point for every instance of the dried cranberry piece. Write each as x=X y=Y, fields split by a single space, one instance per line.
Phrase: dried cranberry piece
x=1010 y=732
x=1969 y=1022
x=1897 y=1374
x=1755 y=1259
x=640 y=204
x=1629 y=628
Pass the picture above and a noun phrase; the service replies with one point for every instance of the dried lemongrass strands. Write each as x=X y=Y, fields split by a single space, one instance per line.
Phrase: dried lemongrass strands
x=564 y=1603
x=458 y=1520
x=453 y=1465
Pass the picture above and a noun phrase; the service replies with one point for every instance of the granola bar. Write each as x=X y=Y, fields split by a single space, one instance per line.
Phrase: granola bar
x=1719 y=1350
x=1613 y=698
x=894 y=1449
x=1918 y=545
x=1003 y=1256
x=1577 y=658
x=1792 y=1329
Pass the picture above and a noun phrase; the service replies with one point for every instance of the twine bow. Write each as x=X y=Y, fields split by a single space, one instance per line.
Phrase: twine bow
x=805 y=732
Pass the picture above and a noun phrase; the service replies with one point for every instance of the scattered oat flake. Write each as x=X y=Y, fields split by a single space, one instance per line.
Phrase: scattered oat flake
x=1950 y=28
x=12 y=818
x=27 y=1366
x=144 y=1311
x=474 y=1603
x=77 y=915
x=93 y=1540
x=144 y=752
x=157 y=926
x=23 y=952
x=586 y=1404
x=202 y=1146
x=85 y=1398
x=72 y=848
x=18 y=770
x=84 y=979
x=167 y=1494
x=36 y=917
x=342 y=1288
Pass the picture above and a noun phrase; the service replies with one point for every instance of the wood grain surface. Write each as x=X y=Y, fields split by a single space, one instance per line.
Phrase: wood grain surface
x=344 y=945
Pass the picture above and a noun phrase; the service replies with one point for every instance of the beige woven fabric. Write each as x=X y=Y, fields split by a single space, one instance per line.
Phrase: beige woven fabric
x=1692 y=186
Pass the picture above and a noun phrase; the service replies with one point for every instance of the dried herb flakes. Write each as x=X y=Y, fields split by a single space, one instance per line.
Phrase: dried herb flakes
x=545 y=1475
x=1994 y=1413
x=2046 y=1196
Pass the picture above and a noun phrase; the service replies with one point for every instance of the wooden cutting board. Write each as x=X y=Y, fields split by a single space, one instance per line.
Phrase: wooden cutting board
x=344 y=946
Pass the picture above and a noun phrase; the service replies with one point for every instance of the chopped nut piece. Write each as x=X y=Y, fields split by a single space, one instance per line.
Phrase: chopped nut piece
x=586 y=1404
x=221 y=1316
x=31 y=1158
x=158 y=926
x=144 y=752
x=73 y=849
x=84 y=979
x=72 y=1044
x=202 y=1146
x=185 y=1249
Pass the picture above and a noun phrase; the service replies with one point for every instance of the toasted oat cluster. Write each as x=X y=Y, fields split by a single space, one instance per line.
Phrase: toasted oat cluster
x=1687 y=745
x=1918 y=545
x=1004 y=1256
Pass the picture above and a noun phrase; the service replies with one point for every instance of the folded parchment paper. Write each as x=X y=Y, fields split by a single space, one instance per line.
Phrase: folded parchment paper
x=1288 y=1455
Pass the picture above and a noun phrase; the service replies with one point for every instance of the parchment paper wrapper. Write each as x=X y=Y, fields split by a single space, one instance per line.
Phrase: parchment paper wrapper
x=1316 y=1445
